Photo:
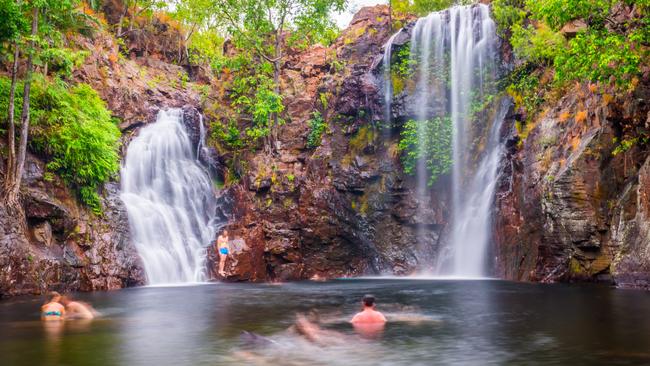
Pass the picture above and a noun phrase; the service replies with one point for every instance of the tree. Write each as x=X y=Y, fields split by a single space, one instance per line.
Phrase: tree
x=266 y=28
x=14 y=23
x=54 y=15
x=133 y=9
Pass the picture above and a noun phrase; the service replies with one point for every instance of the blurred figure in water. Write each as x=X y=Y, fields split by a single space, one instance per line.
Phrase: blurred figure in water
x=224 y=250
x=53 y=309
x=369 y=322
x=78 y=309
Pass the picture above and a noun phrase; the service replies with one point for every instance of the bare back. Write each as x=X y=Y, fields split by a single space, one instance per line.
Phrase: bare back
x=79 y=310
x=367 y=316
x=52 y=311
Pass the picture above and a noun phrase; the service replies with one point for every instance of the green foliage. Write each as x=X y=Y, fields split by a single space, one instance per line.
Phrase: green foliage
x=252 y=93
x=538 y=45
x=401 y=62
x=421 y=7
x=74 y=130
x=429 y=142
x=627 y=143
x=602 y=52
x=598 y=56
x=317 y=127
x=63 y=60
x=402 y=67
x=229 y=134
x=507 y=13
x=13 y=21
x=524 y=86
x=557 y=13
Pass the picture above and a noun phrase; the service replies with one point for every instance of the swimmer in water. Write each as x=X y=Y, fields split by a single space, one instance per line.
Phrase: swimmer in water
x=369 y=323
x=224 y=250
x=53 y=310
x=368 y=315
x=78 y=309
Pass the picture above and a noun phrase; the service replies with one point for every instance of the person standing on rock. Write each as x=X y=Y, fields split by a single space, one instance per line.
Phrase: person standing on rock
x=223 y=250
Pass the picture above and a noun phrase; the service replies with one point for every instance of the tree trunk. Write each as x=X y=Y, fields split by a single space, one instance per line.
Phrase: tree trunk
x=277 y=64
x=390 y=14
x=10 y=168
x=14 y=186
x=120 y=24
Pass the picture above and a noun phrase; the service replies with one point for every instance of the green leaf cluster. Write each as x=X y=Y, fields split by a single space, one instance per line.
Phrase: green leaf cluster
x=428 y=142
x=73 y=129
x=422 y=7
x=317 y=127
x=603 y=51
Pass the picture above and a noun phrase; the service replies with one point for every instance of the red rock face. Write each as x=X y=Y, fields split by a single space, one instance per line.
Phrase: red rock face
x=56 y=244
x=569 y=207
x=343 y=208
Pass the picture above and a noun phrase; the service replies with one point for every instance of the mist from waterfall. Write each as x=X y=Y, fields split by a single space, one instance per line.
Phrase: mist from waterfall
x=170 y=201
x=455 y=53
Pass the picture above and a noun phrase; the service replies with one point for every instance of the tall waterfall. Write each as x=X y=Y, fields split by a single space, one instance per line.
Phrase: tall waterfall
x=455 y=53
x=169 y=200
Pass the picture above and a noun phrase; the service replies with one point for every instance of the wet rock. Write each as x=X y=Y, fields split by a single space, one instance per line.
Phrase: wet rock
x=53 y=243
x=568 y=207
x=42 y=233
x=572 y=28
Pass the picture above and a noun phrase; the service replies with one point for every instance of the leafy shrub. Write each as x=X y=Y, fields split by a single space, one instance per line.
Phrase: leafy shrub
x=63 y=60
x=73 y=129
x=557 y=13
x=538 y=45
x=430 y=143
x=317 y=127
x=598 y=56
x=507 y=13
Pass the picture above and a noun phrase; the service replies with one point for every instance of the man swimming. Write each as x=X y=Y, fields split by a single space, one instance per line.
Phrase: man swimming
x=368 y=315
x=78 y=309
x=369 y=323
x=53 y=310
x=224 y=250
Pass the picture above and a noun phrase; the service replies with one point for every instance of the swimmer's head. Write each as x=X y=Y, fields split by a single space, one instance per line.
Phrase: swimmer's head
x=225 y=232
x=65 y=300
x=368 y=301
x=53 y=296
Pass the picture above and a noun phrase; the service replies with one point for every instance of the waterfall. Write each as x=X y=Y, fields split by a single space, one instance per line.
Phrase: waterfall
x=169 y=200
x=455 y=56
x=388 y=85
x=472 y=220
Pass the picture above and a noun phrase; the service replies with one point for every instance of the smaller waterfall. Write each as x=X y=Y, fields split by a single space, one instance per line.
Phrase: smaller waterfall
x=388 y=84
x=170 y=202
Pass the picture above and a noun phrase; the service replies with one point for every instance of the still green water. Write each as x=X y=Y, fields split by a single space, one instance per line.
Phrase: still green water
x=431 y=322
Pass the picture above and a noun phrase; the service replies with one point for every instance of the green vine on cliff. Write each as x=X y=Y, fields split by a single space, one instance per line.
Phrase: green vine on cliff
x=317 y=127
x=428 y=142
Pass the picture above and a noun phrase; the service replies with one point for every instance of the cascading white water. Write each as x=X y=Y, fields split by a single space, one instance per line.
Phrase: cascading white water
x=472 y=225
x=170 y=202
x=388 y=84
x=456 y=56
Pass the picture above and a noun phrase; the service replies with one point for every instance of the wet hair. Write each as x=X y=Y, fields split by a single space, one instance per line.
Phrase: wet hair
x=52 y=295
x=368 y=300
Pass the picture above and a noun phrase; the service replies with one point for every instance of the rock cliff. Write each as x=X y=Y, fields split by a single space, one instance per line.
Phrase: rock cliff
x=570 y=206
